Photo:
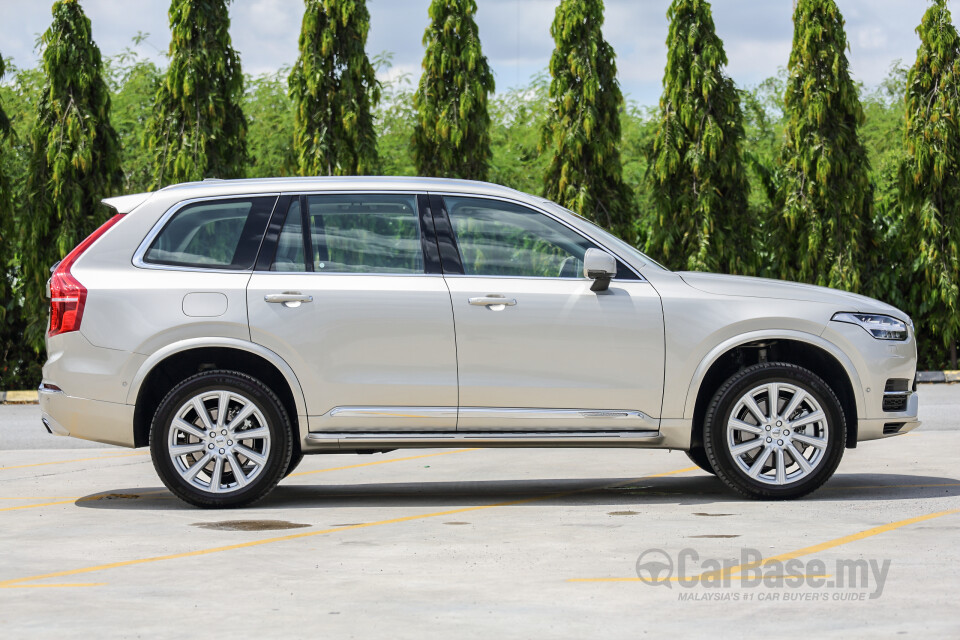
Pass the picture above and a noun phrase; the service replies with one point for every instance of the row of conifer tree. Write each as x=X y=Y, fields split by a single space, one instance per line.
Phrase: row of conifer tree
x=820 y=227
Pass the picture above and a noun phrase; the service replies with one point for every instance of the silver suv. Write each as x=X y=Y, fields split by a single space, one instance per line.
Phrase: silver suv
x=234 y=326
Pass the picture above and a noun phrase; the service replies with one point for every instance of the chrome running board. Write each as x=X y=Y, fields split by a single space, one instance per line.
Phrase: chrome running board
x=426 y=440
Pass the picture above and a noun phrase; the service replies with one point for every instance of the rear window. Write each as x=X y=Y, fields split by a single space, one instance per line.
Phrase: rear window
x=215 y=234
x=370 y=233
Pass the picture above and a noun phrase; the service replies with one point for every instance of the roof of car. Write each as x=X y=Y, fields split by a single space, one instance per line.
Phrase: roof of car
x=217 y=187
x=405 y=183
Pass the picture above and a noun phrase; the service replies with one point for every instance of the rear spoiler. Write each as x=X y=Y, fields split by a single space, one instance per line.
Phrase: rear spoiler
x=126 y=204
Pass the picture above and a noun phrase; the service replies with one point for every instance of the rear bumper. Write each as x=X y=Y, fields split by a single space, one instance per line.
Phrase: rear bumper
x=106 y=422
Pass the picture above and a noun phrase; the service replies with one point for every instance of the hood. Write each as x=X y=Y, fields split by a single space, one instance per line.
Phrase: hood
x=744 y=286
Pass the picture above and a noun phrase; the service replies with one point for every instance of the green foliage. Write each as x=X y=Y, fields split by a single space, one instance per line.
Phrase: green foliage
x=452 y=134
x=929 y=171
x=825 y=188
x=334 y=89
x=269 y=114
x=19 y=363
x=697 y=174
x=583 y=132
x=75 y=159
x=395 y=120
x=639 y=130
x=5 y=127
x=134 y=82
x=7 y=228
x=198 y=130
x=518 y=116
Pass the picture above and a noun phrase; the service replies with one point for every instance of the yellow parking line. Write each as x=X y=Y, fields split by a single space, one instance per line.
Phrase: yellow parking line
x=302 y=473
x=370 y=464
x=42 y=498
x=43 y=586
x=310 y=534
x=660 y=475
x=783 y=557
x=43 y=504
x=41 y=464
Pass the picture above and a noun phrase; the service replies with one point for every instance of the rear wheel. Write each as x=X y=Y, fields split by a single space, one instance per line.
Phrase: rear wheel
x=221 y=439
x=774 y=430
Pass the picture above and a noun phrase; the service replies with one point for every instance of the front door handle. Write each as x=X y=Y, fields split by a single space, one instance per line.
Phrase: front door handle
x=493 y=300
x=288 y=298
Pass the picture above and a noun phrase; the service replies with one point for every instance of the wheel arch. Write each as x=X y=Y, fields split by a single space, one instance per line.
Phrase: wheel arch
x=807 y=350
x=165 y=368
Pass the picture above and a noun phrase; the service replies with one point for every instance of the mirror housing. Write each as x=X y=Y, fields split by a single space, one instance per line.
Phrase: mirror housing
x=600 y=267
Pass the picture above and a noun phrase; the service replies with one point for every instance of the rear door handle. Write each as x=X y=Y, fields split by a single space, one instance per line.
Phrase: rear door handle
x=288 y=298
x=492 y=301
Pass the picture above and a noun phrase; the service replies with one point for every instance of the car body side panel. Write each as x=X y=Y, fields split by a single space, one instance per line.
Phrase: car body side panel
x=697 y=323
x=702 y=326
x=148 y=363
x=364 y=341
x=561 y=346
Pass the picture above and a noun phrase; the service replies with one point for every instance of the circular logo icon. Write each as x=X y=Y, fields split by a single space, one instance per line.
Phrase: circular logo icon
x=655 y=567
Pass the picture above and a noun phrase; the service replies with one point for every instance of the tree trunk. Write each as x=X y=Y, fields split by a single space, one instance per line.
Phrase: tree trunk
x=953 y=355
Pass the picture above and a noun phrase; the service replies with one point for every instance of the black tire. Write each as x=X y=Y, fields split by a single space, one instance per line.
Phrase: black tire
x=737 y=387
x=698 y=457
x=295 y=459
x=268 y=474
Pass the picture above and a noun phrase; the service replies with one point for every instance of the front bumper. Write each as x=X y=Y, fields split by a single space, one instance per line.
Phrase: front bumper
x=875 y=362
x=106 y=422
x=893 y=424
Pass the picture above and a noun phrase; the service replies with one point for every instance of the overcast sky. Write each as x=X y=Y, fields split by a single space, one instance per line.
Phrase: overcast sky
x=515 y=34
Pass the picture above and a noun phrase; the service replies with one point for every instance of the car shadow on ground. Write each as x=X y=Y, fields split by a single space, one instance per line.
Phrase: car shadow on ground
x=607 y=492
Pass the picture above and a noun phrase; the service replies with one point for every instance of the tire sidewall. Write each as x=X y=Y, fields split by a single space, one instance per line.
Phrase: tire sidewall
x=278 y=459
x=721 y=407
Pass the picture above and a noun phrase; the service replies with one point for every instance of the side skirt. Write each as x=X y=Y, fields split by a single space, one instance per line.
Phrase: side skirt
x=410 y=440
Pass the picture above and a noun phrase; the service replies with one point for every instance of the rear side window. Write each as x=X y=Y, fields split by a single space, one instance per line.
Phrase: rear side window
x=215 y=234
x=374 y=233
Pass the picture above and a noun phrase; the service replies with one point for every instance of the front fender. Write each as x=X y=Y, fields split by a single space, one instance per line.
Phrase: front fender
x=771 y=334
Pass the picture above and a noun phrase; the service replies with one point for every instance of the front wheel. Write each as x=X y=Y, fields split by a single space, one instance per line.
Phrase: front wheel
x=774 y=431
x=698 y=457
x=221 y=439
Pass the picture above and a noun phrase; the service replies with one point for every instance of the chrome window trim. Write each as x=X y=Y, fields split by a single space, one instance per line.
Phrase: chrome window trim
x=641 y=279
x=360 y=192
x=553 y=217
x=158 y=226
x=350 y=274
x=144 y=246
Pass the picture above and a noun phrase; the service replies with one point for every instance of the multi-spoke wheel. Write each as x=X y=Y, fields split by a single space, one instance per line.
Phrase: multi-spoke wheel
x=774 y=430
x=221 y=439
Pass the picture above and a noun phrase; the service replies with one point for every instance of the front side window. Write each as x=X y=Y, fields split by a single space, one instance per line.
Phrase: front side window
x=213 y=234
x=375 y=233
x=498 y=238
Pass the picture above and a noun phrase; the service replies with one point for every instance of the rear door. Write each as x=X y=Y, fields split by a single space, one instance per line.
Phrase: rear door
x=349 y=291
x=536 y=348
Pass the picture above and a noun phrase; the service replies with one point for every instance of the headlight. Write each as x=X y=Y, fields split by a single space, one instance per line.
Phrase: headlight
x=880 y=327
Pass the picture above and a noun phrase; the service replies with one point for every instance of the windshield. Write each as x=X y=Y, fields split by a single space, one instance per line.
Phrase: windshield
x=624 y=248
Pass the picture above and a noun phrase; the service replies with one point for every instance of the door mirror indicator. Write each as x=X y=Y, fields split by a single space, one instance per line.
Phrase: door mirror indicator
x=600 y=267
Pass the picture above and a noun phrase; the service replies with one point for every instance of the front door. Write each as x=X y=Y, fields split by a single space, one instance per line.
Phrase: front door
x=348 y=302
x=536 y=348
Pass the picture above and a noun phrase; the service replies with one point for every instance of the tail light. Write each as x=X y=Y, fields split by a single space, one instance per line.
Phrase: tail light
x=67 y=295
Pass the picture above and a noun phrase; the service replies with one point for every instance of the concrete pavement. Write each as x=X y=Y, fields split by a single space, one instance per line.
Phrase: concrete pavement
x=482 y=543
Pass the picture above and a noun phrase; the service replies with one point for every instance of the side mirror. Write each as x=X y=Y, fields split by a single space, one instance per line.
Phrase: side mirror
x=600 y=267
